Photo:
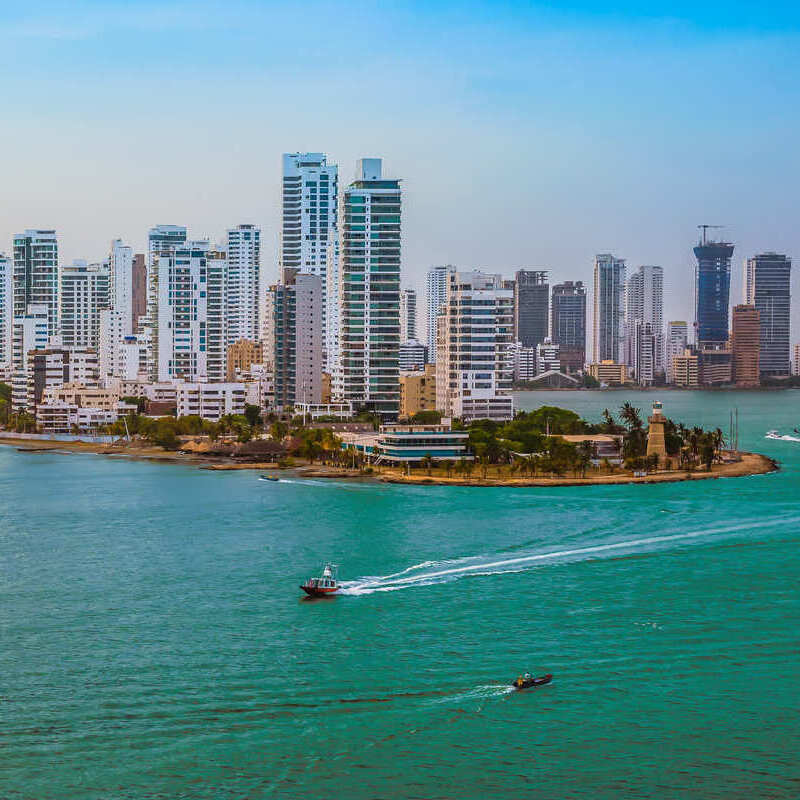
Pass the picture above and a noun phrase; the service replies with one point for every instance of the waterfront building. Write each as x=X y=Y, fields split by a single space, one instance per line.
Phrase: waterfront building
x=190 y=312
x=607 y=322
x=56 y=366
x=29 y=333
x=547 y=357
x=413 y=355
x=79 y=394
x=796 y=360
x=745 y=345
x=568 y=324
x=293 y=314
x=436 y=288
x=410 y=444
x=35 y=278
x=608 y=372
x=6 y=309
x=242 y=354
x=686 y=369
x=715 y=365
x=677 y=340
x=259 y=384
x=242 y=295
x=523 y=361
x=656 y=442
x=408 y=315
x=474 y=370
x=712 y=292
x=531 y=307
x=606 y=446
x=209 y=400
x=308 y=233
x=417 y=391
x=644 y=303
x=369 y=263
x=84 y=294
x=767 y=288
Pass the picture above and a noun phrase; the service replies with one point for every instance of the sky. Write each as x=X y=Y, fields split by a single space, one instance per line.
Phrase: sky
x=525 y=134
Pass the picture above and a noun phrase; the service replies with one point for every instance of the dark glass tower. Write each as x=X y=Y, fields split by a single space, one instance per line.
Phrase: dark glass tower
x=531 y=306
x=712 y=292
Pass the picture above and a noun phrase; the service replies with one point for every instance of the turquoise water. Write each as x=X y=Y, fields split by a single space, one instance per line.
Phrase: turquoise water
x=154 y=643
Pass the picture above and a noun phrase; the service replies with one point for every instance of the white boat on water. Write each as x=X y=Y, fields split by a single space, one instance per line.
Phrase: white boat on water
x=786 y=437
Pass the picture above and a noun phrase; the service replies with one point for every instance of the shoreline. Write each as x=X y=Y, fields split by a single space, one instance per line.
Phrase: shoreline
x=750 y=464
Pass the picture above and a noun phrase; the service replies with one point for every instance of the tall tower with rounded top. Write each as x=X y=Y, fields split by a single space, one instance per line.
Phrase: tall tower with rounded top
x=656 y=444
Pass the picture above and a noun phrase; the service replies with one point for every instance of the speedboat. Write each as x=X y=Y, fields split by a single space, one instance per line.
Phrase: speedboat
x=527 y=682
x=269 y=478
x=323 y=586
x=773 y=435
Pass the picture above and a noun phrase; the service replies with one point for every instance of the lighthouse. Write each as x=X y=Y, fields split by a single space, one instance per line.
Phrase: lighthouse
x=655 y=433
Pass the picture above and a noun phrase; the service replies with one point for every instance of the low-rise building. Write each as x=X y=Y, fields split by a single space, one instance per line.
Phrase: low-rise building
x=686 y=369
x=62 y=417
x=547 y=357
x=210 y=400
x=605 y=446
x=609 y=372
x=396 y=444
x=418 y=391
x=716 y=365
x=242 y=354
x=81 y=396
x=413 y=355
x=523 y=360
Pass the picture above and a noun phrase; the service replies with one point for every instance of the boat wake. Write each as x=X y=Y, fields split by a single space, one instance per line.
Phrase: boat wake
x=786 y=437
x=428 y=573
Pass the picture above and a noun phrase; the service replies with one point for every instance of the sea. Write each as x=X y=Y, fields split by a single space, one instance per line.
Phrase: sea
x=154 y=642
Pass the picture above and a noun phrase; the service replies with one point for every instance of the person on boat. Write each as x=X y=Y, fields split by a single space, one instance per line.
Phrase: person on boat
x=519 y=680
x=527 y=676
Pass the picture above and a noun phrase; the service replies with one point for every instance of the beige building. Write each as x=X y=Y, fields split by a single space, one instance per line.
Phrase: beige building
x=242 y=354
x=745 y=345
x=82 y=396
x=418 y=391
x=609 y=372
x=686 y=370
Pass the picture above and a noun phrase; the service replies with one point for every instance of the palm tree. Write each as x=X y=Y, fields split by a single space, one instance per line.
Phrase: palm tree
x=631 y=416
x=719 y=442
x=448 y=466
x=427 y=462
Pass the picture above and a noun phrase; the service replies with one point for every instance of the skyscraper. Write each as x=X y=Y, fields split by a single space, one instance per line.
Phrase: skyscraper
x=677 y=339
x=120 y=261
x=369 y=256
x=609 y=289
x=83 y=296
x=6 y=308
x=243 y=281
x=767 y=287
x=293 y=316
x=474 y=366
x=310 y=193
x=568 y=324
x=745 y=334
x=436 y=286
x=644 y=303
x=408 y=315
x=531 y=306
x=36 y=274
x=712 y=291
x=139 y=291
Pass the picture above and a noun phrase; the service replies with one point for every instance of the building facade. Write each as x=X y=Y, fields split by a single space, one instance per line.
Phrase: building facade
x=417 y=391
x=568 y=324
x=84 y=294
x=676 y=342
x=369 y=263
x=241 y=355
x=767 y=287
x=6 y=308
x=644 y=321
x=408 y=315
x=29 y=333
x=35 y=279
x=712 y=292
x=607 y=322
x=413 y=355
x=242 y=298
x=436 y=291
x=210 y=400
x=745 y=345
x=474 y=370
x=531 y=307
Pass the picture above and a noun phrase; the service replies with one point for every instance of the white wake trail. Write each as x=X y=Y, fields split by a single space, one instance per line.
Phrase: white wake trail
x=391 y=583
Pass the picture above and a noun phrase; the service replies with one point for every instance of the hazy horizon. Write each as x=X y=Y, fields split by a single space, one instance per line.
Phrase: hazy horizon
x=524 y=136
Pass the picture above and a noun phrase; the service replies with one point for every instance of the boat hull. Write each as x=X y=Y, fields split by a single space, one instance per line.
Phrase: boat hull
x=315 y=591
x=545 y=679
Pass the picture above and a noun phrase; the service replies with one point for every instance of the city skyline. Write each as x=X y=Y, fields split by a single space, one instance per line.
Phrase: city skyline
x=541 y=84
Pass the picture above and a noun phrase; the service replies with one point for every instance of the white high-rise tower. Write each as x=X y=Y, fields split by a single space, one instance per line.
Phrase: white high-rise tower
x=244 y=276
x=35 y=280
x=436 y=286
x=6 y=309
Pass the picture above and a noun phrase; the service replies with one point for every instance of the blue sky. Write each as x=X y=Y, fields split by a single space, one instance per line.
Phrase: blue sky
x=526 y=134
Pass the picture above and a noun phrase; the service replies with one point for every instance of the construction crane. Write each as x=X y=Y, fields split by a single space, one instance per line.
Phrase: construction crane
x=705 y=228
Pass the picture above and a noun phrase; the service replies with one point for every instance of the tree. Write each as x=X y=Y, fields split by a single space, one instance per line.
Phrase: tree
x=427 y=462
x=631 y=416
x=253 y=415
x=448 y=466
x=429 y=417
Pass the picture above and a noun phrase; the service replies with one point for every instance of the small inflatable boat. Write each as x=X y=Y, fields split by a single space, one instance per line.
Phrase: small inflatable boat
x=526 y=683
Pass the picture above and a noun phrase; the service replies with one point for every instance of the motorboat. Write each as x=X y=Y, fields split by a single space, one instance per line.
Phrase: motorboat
x=527 y=681
x=773 y=434
x=325 y=585
x=269 y=478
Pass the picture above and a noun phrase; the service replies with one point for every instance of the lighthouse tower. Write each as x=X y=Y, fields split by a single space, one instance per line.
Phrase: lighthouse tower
x=655 y=434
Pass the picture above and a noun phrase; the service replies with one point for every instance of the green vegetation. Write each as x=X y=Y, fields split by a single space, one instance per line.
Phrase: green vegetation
x=5 y=403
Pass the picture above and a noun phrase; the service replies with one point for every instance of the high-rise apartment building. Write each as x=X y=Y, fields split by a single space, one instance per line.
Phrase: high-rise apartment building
x=676 y=342
x=6 y=308
x=293 y=316
x=190 y=320
x=796 y=360
x=413 y=355
x=436 y=288
x=369 y=264
x=531 y=306
x=767 y=280
x=568 y=324
x=474 y=368
x=120 y=263
x=244 y=276
x=308 y=233
x=30 y=331
x=408 y=315
x=607 y=322
x=712 y=292
x=745 y=337
x=84 y=294
x=644 y=304
x=139 y=291
x=36 y=274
